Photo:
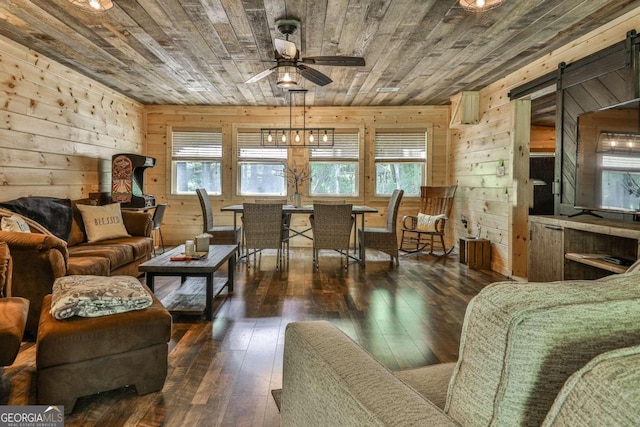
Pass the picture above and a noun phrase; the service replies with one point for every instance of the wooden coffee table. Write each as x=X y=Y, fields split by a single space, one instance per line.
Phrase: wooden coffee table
x=206 y=267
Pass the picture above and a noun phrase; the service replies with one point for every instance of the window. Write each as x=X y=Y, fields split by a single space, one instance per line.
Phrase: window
x=400 y=162
x=260 y=169
x=334 y=170
x=196 y=161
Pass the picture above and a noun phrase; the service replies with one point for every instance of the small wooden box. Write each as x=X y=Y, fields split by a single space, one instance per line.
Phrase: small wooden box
x=476 y=253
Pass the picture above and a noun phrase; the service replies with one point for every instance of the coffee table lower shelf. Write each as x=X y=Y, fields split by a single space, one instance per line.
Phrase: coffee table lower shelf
x=188 y=298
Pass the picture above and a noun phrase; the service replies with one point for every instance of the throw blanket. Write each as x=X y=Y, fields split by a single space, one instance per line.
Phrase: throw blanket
x=93 y=296
x=52 y=213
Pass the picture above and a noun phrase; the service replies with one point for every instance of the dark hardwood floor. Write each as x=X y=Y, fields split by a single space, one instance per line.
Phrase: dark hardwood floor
x=221 y=372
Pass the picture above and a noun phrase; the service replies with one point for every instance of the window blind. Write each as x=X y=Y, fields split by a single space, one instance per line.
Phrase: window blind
x=196 y=145
x=620 y=162
x=401 y=145
x=249 y=148
x=345 y=146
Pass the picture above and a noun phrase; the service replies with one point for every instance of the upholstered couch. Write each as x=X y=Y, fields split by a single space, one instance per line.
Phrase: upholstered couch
x=40 y=257
x=520 y=343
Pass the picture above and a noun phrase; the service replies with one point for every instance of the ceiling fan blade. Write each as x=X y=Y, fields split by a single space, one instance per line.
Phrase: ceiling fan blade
x=285 y=48
x=261 y=75
x=314 y=76
x=344 y=61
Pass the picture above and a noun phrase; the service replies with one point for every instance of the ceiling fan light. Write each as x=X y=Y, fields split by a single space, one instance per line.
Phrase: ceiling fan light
x=288 y=77
x=92 y=5
x=479 y=5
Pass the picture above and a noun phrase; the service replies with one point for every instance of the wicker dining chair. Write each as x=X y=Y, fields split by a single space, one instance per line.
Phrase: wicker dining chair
x=331 y=225
x=384 y=239
x=263 y=229
x=221 y=234
x=335 y=202
x=419 y=232
x=286 y=222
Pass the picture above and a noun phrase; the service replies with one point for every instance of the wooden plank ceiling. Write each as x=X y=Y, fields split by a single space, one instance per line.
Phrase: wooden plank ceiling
x=202 y=51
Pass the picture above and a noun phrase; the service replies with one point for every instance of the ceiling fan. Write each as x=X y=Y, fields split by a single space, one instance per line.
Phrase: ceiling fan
x=289 y=64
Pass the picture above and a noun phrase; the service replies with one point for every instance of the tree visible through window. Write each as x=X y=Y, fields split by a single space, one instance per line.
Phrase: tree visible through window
x=400 y=162
x=196 y=160
x=334 y=170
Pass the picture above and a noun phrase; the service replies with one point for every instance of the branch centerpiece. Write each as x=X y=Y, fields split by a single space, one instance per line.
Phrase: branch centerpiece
x=295 y=177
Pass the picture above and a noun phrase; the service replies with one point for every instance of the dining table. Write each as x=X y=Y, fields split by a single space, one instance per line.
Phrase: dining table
x=358 y=211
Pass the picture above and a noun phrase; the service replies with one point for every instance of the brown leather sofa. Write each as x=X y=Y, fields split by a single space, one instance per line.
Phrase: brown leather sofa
x=40 y=257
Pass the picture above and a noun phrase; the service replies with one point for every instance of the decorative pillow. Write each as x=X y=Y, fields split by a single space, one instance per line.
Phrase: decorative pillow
x=428 y=222
x=77 y=234
x=634 y=267
x=103 y=222
x=15 y=223
x=93 y=296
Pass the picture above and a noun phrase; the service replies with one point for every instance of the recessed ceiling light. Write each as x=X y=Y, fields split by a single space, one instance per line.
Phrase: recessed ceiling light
x=387 y=89
x=479 y=5
x=93 y=5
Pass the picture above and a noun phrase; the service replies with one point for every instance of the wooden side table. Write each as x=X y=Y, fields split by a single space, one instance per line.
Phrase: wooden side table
x=476 y=253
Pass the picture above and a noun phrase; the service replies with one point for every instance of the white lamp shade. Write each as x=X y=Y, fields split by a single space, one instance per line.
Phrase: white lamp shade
x=288 y=77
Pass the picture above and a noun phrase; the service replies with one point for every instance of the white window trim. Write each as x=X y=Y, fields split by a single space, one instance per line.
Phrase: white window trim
x=349 y=158
x=426 y=160
x=171 y=165
x=281 y=156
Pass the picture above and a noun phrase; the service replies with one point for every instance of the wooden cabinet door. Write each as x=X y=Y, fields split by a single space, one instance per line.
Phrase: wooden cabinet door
x=546 y=252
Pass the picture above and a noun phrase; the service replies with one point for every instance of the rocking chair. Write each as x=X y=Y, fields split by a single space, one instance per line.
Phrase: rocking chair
x=419 y=231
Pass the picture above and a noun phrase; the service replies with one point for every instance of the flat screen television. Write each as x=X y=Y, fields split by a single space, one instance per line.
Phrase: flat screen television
x=608 y=159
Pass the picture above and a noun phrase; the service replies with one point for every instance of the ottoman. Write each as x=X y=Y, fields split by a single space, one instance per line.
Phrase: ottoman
x=81 y=356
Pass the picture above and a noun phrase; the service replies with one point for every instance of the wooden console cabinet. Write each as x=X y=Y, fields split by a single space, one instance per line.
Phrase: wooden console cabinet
x=563 y=248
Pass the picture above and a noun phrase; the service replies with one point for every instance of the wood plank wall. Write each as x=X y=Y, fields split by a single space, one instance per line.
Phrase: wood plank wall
x=59 y=129
x=543 y=139
x=489 y=202
x=482 y=196
x=183 y=218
